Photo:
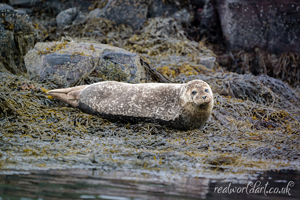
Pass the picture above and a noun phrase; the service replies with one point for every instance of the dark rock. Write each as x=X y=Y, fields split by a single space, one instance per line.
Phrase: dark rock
x=271 y=25
x=207 y=15
x=279 y=88
x=67 y=64
x=208 y=19
x=5 y=7
x=158 y=8
x=183 y=16
x=260 y=89
x=94 y=14
x=16 y=37
x=79 y=18
x=129 y=12
x=24 y=3
x=198 y=3
x=66 y=17
x=52 y=7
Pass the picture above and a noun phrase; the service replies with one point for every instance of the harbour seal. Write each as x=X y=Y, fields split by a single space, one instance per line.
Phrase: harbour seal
x=180 y=106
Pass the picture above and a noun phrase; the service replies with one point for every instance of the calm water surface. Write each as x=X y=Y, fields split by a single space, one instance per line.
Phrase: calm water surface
x=126 y=185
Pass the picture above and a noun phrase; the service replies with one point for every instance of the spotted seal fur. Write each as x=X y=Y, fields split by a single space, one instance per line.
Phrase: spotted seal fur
x=180 y=106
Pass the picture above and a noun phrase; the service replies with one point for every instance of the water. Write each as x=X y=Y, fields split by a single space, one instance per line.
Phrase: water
x=127 y=185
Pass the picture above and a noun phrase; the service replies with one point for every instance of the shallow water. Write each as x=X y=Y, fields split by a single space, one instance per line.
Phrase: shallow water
x=128 y=185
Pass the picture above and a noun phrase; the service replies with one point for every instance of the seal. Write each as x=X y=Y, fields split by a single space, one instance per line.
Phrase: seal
x=181 y=106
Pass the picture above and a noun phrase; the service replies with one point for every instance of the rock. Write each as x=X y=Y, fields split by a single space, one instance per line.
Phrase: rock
x=94 y=14
x=208 y=62
x=68 y=63
x=51 y=7
x=79 y=18
x=183 y=16
x=131 y=12
x=66 y=17
x=158 y=8
x=207 y=14
x=24 y=3
x=259 y=89
x=16 y=38
x=270 y=25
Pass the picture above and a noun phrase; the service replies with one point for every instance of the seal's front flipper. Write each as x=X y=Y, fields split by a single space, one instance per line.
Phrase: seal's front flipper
x=68 y=95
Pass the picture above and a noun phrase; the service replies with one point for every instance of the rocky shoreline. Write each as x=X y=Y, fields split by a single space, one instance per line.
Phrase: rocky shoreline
x=254 y=125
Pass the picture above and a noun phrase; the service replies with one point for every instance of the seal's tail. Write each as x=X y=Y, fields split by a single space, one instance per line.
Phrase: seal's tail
x=68 y=95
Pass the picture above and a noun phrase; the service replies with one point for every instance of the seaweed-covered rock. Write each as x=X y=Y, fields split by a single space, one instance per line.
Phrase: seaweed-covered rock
x=131 y=12
x=259 y=89
x=51 y=7
x=165 y=35
x=68 y=63
x=16 y=37
x=157 y=8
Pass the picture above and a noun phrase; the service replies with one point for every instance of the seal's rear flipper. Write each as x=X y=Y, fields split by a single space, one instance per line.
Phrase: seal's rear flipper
x=68 y=95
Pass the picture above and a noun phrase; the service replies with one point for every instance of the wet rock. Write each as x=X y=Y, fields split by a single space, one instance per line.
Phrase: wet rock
x=159 y=8
x=183 y=16
x=133 y=13
x=24 y=3
x=67 y=64
x=220 y=159
x=79 y=18
x=51 y=7
x=260 y=89
x=247 y=87
x=279 y=88
x=207 y=15
x=208 y=62
x=16 y=37
x=270 y=25
x=206 y=19
x=94 y=14
x=66 y=17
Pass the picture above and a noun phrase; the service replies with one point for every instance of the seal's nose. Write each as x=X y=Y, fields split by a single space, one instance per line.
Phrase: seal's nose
x=204 y=97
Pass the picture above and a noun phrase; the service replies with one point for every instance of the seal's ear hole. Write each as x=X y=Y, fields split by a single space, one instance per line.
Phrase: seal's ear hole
x=194 y=92
x=206 y=90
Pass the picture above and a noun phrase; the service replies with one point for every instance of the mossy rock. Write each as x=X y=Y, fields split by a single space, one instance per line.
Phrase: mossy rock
x=68 y=63
x=16 y=38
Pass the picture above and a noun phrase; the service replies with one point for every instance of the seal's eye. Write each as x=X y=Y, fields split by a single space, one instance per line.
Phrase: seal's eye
x=194 y=92
x=206 y=90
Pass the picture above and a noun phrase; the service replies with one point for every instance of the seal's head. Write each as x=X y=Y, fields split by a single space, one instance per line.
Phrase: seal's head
x=199 y=94
x=196 y=101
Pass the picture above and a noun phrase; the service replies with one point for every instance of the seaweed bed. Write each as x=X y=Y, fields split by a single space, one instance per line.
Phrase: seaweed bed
x=250 y=130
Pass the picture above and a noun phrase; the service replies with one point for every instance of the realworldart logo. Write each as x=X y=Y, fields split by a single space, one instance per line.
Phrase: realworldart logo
x=256 y=188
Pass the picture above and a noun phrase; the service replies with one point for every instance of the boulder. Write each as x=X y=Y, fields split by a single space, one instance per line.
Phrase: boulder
x=131 y=12
x=66 y=17
x=273 y=26
x=183 y=16
x=158 y=8
x=51 y=7
x=207 y=61
x=67 y=63
x=261 y=89
x=17 y=36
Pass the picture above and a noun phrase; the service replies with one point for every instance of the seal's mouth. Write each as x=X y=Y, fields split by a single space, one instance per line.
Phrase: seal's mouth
x=203 y=105
x=203 y=102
